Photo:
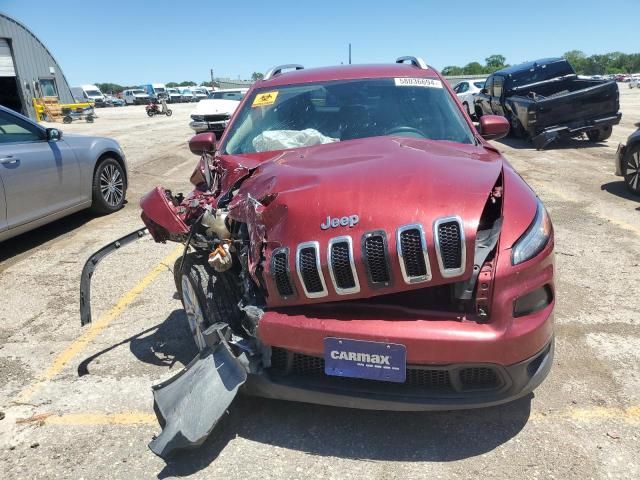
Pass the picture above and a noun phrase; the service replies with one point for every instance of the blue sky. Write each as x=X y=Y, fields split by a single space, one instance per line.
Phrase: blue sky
x=135 y=42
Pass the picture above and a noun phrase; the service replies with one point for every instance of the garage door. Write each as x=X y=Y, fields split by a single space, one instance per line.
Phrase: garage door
x=6 y=60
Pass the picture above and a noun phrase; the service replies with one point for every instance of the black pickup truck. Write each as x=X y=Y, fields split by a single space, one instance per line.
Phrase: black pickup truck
x=545 y=100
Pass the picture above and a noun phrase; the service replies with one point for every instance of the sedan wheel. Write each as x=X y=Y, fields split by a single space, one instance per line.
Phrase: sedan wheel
x=109 y=186
x=631 y=170
x=195 y=314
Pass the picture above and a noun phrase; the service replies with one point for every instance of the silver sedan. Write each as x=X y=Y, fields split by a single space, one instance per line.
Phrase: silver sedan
x=44 y=176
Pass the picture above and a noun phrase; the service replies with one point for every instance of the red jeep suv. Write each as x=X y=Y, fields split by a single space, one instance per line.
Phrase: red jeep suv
x=355 y=241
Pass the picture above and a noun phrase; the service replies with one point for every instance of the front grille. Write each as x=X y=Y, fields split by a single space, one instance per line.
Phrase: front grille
x=412 y=251
x=341 y=265
x=280 y=273
x=285 y=363
x=375 y=252
x=449 y=240
x=479 y=377
x=309 y=270
x=449 y=237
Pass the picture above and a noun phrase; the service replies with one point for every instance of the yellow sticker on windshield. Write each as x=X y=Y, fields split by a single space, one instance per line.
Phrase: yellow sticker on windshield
x=264 y=99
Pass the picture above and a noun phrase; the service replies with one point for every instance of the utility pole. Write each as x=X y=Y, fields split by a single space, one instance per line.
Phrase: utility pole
x=349 y=53
x=211 y=71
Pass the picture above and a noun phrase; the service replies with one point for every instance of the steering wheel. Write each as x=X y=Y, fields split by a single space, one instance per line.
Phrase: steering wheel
x=413 y=132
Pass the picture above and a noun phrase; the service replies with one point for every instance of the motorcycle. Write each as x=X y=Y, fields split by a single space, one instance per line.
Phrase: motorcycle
x=154 y=109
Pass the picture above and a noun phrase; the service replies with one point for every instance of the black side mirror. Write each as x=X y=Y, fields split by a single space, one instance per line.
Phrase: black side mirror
x=484 y=91
x=53 y=134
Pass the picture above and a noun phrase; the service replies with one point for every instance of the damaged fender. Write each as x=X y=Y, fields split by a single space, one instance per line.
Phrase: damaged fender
x=190 y=404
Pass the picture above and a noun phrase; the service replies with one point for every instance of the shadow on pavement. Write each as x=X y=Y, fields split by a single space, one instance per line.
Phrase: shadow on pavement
x=561 y=144
x=34 y=238
x=163 y=345
x=619 y=189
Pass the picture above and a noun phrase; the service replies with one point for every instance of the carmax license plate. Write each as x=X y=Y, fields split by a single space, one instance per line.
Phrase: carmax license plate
x=361 y=359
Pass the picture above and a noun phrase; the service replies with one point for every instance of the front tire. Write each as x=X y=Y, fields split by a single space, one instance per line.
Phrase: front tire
x=109 y=187
x=631 y=169
x=208 y=297
x=150 y=113
x=169 y=112
x=600 y=134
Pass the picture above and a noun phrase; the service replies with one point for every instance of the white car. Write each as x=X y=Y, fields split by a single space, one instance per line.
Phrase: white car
x=135 y=96
x=466 y=90
x=212 y=115
x=634 y=81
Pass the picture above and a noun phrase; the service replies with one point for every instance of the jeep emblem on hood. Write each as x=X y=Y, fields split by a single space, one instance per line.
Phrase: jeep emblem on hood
x=349 y=221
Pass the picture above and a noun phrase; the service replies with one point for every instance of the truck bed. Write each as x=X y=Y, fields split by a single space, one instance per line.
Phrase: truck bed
x=572 y=102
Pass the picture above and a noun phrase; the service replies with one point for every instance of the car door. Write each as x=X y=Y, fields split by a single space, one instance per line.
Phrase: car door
x=483 y=99
x=496 y=95
x=3 y=208
x=40 y=177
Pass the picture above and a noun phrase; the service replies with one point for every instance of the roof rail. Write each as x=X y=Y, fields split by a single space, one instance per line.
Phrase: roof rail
x=415 y=61
x=278 y=70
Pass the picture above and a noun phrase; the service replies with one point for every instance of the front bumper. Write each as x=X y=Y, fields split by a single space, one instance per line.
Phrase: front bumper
x=516 y=381
x=200 y=126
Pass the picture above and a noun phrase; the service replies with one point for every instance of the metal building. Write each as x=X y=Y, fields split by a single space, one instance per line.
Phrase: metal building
x=27 y=69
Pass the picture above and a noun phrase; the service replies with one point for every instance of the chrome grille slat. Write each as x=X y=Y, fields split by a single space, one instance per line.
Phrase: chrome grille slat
x=341 y=265
x=309 y=270
x=448 y=235
x=413 y=254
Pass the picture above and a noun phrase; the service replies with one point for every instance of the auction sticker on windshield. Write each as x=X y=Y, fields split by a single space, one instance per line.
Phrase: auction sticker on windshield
x=265 y=99
x=418 y=82
x=363 y=359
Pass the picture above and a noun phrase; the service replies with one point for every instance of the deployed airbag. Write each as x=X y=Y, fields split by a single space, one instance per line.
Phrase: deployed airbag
x=284 y=139
x=189 y=405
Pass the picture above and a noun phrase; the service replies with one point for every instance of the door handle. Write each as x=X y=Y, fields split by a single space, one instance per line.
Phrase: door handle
x=9 y=160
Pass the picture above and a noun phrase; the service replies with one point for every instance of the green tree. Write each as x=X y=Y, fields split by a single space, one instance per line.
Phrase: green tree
x=577 y=59
x=110 y=87
x=494 y=62
x=255 y=76
x=172 y=85
x=452 y=71
x=473 y=68
x=187 y=84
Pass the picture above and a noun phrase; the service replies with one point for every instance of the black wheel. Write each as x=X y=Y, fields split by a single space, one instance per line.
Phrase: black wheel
x=169 y=112
x=516 y=128
x=89 y=118
x=109 y=186
x=67 y=119
x=150 y=113
x=600 y=134
x=207 y=296
x=631 y=169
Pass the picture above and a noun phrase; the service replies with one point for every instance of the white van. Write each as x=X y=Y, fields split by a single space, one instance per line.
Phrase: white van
x=187 y=94
x=135 y=96
x=89 y=93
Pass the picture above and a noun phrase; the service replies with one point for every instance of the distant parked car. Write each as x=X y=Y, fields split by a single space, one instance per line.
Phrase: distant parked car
x=229 y=94
x=113 y=101
x=466 y=90
x=212 y=115
x=136 y=96
x=187 y=95
x=173 y=95
x=628 y=161
x=634 y=81
x=44 y=176
x=200 y=93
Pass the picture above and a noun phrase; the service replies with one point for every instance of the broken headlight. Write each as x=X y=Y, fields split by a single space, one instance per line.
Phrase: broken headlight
x=534 y=239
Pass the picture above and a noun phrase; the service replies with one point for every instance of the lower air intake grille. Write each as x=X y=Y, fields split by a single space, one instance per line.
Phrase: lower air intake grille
x=479 y=377
x=309 y=270
x=280 y=272
x=413 y=252
x=375 y=250
x=419 y=380
x=341 y=265
x=450 y=245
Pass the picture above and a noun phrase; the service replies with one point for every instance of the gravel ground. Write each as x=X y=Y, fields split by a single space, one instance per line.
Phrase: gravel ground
x=76 y=403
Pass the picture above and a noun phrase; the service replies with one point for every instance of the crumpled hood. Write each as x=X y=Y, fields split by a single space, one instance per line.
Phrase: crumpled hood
x=386 y=181
x=215 y=107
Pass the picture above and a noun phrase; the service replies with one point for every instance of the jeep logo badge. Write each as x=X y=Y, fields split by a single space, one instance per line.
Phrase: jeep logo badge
x=349 y=221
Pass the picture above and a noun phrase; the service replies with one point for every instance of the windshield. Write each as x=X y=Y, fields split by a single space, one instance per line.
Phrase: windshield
x=479 y=84
x=540 y=73
x=159 y=89
x=138 y=92
x=93 y=93
x=309 y=114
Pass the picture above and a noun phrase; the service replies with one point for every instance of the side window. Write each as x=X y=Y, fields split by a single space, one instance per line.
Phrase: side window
x=489 y=85
x=497 y=86
x=457 y=88
x=48 y=87
x=464 y=86
x=16 y=130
